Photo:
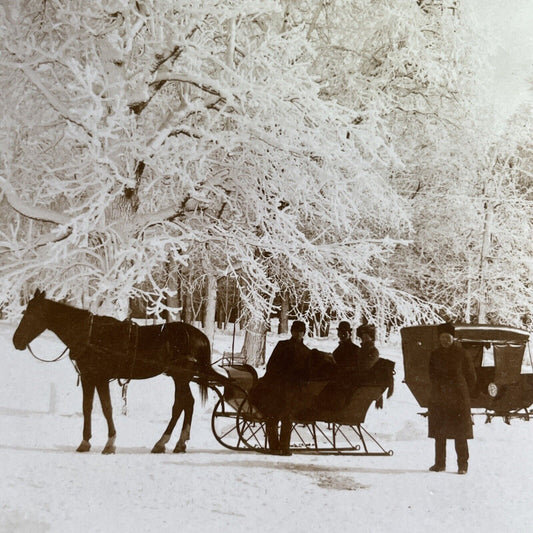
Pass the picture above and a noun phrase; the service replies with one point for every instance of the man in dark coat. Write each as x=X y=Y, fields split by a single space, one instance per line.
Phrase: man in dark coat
x=452 y=377
x=337 y=392
x=347 y=353
x=285 y=372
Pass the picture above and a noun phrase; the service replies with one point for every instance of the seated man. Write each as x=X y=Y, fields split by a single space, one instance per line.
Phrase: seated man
x=347 y=353
x=335 y=395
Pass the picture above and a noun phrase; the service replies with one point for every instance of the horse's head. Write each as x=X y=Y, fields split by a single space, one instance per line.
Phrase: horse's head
x=33 y=322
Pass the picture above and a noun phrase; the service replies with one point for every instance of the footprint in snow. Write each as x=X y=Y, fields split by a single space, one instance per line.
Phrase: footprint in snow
x=339 y=483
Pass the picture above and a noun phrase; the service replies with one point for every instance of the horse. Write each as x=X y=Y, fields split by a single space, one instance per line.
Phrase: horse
x=103 y=348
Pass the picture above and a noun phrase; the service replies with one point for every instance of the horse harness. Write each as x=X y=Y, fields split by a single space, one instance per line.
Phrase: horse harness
x=131 y=350
x=132 y=344
x=133 y=333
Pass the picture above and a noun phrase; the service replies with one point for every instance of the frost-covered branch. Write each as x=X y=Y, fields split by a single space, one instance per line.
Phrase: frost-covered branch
x=31 y=211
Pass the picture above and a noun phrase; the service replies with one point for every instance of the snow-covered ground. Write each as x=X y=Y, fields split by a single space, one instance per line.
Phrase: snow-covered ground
x=46 y=486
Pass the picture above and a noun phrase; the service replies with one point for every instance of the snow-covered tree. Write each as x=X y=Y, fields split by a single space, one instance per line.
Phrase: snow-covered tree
x=505 y=267
x=137 y=137
x=425 y=65
x=460 y=180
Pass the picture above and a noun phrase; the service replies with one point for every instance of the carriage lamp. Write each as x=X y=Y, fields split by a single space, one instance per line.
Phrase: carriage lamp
x=493 y=390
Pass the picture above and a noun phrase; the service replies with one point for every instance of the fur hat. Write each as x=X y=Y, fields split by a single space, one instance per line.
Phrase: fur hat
x=447 y=327
x=366 y=329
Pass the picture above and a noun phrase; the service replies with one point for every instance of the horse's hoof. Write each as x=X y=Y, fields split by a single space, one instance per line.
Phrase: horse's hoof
x=108 y=450
x=159 y=446
x=83 y=447
x=180 y=448
x=110 y=447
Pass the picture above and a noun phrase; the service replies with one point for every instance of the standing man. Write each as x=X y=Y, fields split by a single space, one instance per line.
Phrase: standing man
x=452 y=377
x=285 y=372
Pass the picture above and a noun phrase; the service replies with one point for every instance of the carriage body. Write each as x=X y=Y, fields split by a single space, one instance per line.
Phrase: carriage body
x=239 y=425
x=497 y=353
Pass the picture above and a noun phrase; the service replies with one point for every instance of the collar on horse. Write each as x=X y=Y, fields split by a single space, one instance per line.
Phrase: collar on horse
x=132 y=326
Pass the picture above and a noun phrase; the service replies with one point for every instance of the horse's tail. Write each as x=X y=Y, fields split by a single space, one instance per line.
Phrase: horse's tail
x=209 y=376
x=206 y=373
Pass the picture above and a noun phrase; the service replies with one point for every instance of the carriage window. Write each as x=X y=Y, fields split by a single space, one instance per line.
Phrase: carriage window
x=488 y=356
x=475 y=351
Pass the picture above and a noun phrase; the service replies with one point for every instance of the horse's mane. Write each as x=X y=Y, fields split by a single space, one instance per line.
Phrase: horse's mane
x=70 y=307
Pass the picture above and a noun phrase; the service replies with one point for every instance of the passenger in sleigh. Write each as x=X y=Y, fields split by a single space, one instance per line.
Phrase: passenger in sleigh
x=368 y=353
x=346 y=355
x=374 y=370
x=357 y=366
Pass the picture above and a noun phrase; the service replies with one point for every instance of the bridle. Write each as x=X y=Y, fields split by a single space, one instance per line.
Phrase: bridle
x=32 y=319
x=55 y=359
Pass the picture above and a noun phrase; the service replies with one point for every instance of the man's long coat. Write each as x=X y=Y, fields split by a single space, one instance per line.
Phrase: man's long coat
x=274 y=395
x=452 y=377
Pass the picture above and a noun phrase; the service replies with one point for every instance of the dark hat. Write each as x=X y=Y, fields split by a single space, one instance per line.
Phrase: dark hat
x=344 y=326
x=298 y=325
x=447 y=327
x=368 y=329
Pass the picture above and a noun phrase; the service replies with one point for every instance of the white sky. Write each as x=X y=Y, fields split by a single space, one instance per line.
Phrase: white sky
x=510 y=22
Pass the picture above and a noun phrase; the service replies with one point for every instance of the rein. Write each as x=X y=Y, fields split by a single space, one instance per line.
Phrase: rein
x=135 y=328
x=48 y=360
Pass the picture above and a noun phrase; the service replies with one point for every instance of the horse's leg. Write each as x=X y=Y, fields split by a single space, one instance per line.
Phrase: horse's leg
x=105 y=400
x=177 y=408
x=87 y=386
x=188 y=407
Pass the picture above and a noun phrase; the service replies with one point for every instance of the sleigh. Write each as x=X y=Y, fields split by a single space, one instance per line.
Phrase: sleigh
x=238 y=424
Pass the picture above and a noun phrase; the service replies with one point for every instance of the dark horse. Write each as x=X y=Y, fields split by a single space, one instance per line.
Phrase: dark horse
x=103 y=348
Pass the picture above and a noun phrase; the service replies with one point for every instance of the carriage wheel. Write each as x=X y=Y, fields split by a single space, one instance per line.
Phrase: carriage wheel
x=252 y=428
x=224 y=425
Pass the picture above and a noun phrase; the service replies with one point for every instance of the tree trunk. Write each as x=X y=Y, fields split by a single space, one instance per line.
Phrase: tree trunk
x=210 y=308
x=173 y=283
x=187 y=308
x=319 y=325
x=485 y=251
x=222 y=307
x=254 y=346
x=283 y=325
x=468 y=310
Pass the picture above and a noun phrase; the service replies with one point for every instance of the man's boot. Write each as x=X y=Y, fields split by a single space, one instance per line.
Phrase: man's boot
x=461 y=447
x=285 y=437
x=440 y=456
x=272 y=435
